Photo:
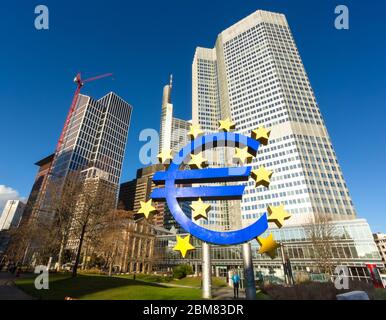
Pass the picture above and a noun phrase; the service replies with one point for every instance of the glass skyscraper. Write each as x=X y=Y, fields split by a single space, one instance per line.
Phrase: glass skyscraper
x=95 y=138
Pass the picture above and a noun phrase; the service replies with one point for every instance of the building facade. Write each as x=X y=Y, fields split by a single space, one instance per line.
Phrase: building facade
x=139 y=189
x=380 y=241
x=254 y=75
x=12 y=214
x=352 y=246
x=126 y=196
x=37 y=191
x=135 y=246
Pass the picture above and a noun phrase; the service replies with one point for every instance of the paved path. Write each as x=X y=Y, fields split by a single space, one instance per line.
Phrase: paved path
x=8 y=290
x=223 y=293
x=226 y=293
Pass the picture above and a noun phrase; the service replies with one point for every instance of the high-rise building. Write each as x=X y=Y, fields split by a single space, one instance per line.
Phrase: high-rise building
x=173 y=136
x=96 y=137
x=12 y=214
x=139 y=189
x=254 y=75
x=126 y=196
x=173 y=131
x=32 y=206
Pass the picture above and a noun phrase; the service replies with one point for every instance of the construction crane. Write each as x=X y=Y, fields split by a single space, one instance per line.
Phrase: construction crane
x=80 y=83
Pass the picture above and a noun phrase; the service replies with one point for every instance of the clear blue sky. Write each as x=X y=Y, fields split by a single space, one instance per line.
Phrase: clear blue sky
x=141 y=42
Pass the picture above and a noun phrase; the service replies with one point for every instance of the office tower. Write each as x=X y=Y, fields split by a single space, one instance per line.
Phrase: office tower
x=139 y=189
x=173 y=131
x=96 y=137
x=12 y=213
x=126 y=196
x=32 y=206
x=254 y=75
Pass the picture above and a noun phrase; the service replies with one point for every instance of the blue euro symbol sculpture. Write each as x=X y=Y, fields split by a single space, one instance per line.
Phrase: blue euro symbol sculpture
x=173 y=175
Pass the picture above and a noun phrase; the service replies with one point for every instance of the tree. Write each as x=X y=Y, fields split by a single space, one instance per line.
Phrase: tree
x=182 y=270
x=320 y=232
x=63 y=201
x=94 y=200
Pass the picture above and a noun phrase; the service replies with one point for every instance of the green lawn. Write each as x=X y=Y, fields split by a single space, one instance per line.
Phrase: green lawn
x=188 y=281
x=196 y=282
x=98 y=287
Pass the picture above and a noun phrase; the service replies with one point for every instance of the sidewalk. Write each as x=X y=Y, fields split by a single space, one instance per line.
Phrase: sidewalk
x=8 y=289
x=224 y=293
x=227 y=294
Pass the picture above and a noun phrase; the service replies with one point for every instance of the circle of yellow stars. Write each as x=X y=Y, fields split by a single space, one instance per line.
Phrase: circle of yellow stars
x=200 y=210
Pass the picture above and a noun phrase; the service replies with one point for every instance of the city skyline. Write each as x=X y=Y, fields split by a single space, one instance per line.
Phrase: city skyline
x=347 y=151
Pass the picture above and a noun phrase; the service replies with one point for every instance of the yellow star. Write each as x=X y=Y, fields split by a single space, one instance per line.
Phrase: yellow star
x=197 y=161
x=268 y=245
x=261 y=134
x=147 y=208
x=200 y=209
x=278 y=215
x=261 y=176
x=243 y=155
x=164 y=156
x=183 y=245
x=226 y=125
x=195 y=131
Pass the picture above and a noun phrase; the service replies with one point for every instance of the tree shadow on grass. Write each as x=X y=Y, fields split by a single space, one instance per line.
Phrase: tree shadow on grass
x=61 y=287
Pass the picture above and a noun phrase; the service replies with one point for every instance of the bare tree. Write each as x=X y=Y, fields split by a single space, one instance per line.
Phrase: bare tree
x=33 y=235
x=320 y=232
x=64 y=199
x=95 y=199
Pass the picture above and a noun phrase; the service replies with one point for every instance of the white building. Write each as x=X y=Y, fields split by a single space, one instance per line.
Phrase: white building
x=173 y=131
x=255 y=76
x=12 y=214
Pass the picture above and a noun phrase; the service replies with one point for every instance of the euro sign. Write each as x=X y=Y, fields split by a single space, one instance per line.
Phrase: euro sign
x=203 y=176
x=173 y=175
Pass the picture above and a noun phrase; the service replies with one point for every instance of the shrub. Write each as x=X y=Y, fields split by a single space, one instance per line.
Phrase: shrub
x=181 y=271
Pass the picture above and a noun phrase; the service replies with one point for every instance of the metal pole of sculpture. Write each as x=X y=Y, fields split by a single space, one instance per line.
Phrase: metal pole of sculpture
x=285 y=271
x=250 y=286
x=206 y=272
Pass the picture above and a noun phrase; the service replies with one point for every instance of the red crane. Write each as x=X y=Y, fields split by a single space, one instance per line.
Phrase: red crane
x=80 y=83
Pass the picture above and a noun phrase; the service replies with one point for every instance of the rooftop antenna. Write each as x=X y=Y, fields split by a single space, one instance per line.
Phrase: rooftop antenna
x=171 y=81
